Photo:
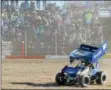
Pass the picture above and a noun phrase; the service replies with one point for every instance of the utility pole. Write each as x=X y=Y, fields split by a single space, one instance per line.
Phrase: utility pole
x=25 y=43
x=56 y=42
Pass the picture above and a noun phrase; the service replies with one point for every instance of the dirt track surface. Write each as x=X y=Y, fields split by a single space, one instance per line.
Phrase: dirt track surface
x=40 y=74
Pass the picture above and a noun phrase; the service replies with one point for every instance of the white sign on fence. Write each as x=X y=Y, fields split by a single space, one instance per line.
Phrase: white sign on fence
x=7 y=48
x=56 y=56
x=104 y=14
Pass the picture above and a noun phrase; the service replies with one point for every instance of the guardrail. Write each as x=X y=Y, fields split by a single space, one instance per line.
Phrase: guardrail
x=24 y=57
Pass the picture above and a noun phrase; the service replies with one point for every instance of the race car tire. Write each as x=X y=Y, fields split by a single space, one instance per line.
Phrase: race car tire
x=84 y=80
x=60 y=79
x=101 y=78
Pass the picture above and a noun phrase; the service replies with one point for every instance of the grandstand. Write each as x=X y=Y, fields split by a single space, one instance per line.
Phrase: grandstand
x=54 y=31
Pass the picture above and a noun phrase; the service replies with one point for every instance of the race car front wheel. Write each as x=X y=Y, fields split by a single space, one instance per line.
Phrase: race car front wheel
x=101 y=78
x=60 y=79
x=84 y=80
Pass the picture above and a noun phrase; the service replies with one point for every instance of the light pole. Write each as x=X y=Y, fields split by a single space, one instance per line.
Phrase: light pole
x=25 y=43
x=56 y=42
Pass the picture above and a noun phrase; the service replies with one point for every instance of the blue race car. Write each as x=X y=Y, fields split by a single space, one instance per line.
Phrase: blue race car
x=87 y=69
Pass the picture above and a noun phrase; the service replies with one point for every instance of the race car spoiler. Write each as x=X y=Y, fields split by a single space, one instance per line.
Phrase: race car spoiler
x=90 y=53
x=88 y=48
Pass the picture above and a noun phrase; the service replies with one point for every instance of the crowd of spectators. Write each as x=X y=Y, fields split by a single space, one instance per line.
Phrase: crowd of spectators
x=70 y=24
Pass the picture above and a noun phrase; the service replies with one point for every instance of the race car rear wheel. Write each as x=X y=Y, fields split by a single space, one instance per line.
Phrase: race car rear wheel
x=60 y=79
x=84 y=80
x=101 y=78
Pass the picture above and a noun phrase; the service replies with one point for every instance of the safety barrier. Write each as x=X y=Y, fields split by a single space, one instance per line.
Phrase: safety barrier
x=45 y=57
x=56 y=56
x=25 y=57
x=37 y=57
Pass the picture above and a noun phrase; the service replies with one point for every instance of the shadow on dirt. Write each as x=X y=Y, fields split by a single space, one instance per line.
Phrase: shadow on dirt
x=36 y=85
x=50 y=84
